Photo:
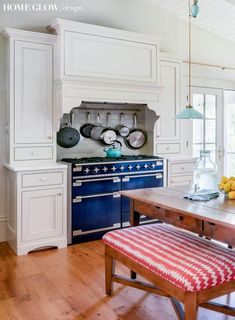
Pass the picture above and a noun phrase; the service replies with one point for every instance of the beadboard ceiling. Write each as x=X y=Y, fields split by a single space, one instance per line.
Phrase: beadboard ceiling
x=216 y=16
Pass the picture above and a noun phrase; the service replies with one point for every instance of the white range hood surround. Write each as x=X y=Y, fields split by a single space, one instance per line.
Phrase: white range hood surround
x=101 y=64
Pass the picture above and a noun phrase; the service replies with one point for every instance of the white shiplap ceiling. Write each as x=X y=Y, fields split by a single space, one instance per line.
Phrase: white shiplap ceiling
x=216 y=16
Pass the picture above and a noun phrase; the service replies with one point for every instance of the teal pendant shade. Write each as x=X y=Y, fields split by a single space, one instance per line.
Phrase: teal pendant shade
x=189 y=113
x=194 y=9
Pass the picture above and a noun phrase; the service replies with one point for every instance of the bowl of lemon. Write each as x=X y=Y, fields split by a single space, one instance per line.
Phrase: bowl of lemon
x=227 y=187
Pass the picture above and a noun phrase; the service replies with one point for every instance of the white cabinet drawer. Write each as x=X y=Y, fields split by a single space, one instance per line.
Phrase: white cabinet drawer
x=41 y=179
x=184 y=167
x=33 y=153
x=168 y=148
x=180 y=180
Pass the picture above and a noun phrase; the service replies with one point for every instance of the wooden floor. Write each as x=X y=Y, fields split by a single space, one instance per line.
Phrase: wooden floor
x=68 y=284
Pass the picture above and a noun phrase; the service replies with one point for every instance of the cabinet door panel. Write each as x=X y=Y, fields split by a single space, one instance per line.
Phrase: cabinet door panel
x=102 y=57
x=168 y=126
x=33 y=93
x=96 y=213
x=41 y=214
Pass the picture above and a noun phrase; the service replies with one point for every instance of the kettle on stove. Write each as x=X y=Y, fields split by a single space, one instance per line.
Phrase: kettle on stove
x=114 y=151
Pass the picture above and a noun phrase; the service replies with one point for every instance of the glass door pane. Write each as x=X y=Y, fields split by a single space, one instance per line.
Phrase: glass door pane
x=207 y=132
x=229 y=114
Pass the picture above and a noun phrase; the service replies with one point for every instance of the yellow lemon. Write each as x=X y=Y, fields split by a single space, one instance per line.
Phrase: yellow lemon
x=224 y=179
x=231 y=195
x=227 y=187
x=232 y=178
x=233 y=186
x=230 y=182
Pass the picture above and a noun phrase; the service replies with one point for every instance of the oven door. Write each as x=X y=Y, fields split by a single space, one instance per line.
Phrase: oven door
x=95 y=214
x=151 y=180
x=83 y=187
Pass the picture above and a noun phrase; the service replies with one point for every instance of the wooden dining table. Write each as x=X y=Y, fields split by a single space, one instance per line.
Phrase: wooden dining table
x=214 y=219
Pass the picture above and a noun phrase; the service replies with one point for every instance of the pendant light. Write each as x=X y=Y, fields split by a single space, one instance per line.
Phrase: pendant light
x=190 y=112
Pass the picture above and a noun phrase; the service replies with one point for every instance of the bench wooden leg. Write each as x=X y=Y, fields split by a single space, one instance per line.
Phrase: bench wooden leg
x=190 y=306
x=109 y=271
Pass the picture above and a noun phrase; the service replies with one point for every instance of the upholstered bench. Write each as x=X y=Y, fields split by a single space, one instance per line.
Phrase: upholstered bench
x=178 y=265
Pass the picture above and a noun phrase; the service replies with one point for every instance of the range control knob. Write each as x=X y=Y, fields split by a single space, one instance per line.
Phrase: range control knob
x=96 y=170
x=138 y=167
x=146 y=166
x=113 y=168
x=122 y=168
x=153 y=165
x=87 y=170
x=130 y=167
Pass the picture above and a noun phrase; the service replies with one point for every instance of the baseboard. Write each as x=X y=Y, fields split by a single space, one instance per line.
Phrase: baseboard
x=3 y=228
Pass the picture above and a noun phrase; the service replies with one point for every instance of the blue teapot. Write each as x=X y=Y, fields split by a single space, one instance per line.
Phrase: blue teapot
x=114 y=151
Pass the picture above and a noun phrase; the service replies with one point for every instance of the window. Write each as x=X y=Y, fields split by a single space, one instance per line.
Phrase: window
x=204 y=131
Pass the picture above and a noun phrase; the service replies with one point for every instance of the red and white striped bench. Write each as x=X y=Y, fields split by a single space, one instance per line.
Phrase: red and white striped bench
x=181 y=266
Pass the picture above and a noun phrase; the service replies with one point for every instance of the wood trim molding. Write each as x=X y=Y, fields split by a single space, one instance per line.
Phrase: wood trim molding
x=28 y=35
x=74 y=26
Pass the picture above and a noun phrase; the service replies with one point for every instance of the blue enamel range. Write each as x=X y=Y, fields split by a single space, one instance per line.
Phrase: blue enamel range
x=96 y=205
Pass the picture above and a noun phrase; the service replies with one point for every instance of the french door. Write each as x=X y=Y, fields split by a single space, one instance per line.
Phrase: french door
x=208 y=134
x=229 y=132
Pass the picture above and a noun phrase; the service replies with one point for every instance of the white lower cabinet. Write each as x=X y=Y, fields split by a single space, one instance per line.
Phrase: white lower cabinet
x=180 y=172
x=36 y=212
x=42 y=215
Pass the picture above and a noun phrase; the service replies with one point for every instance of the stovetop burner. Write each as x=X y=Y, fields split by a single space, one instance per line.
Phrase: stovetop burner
x=105 y=159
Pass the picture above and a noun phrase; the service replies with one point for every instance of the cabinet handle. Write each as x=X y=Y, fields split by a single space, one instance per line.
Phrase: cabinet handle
x=80 y=198
x=211 y=223
x=78 y=183
x=180 y=218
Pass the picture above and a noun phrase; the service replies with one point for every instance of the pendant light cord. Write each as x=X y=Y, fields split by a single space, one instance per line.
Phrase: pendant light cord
x=189 y=54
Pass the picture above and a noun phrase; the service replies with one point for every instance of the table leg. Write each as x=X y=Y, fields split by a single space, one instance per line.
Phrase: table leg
x=134 y=216
x=134 y=221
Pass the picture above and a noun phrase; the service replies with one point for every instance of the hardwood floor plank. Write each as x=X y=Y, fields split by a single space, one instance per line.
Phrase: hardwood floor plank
x=68 y=284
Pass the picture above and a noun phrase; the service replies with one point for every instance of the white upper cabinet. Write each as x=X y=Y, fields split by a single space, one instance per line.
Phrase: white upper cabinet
x=168 y=127
x=31 y=137
x=33 y=92
x=95 y=53
x=101 y=57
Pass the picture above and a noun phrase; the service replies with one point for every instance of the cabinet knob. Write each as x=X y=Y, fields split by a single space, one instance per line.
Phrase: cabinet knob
x=180 y=218
x=50 y=137
x=42 y=179
x=59 y=194
x=182 y=168
x=33 y=153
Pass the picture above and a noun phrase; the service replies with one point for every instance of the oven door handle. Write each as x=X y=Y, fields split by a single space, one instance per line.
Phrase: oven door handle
x=78 y=183
x=80 y=198
x=157 y=175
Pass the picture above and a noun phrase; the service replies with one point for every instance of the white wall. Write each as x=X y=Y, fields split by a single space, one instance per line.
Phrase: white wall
x=2 y=141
